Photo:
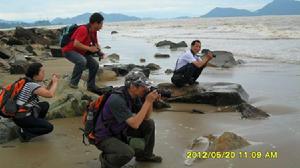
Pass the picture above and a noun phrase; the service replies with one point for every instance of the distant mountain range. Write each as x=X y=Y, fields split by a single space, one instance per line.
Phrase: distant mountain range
x=113 y=17
x=277 y=7
x=83 y=18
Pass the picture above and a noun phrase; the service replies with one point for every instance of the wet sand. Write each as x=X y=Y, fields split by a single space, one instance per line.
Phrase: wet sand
x=175 y=130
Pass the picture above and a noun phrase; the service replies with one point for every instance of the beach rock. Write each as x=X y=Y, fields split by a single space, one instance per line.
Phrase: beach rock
x=4 y=53
x=239 y=61
x=163 y=43
x=68 y=102
x=113 y=57
x=142 y=60
x=178 y=45
x=158 y=55
x=217 y=94
x=228 y=141
x=250 y=112
x=32 y=36
x=14 y=41
x=223 y=59
x=21 y=49
x=107 y=47
x=168 y=71
x=18 y=64
x=153 y=66
x=106 y=75
x=7 y=130
x=114 y=32
x=56 y=51
x=4 y=65
x=124 y=69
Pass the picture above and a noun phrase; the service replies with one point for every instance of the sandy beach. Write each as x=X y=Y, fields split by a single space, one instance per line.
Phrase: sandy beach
x=270 y=75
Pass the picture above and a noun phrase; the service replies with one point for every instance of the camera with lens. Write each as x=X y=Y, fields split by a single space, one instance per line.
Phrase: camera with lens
x=206 y=51
x=163 y=92
x=99 y=53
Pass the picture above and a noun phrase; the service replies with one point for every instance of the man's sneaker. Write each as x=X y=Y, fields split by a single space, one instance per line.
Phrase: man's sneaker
x=73 y=86
x=152 y=158
x=21 y=135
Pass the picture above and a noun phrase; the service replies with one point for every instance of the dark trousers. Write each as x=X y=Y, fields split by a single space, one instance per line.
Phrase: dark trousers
x=81 y=63
x=187 y=74
x=35 y=126
x=116 y=152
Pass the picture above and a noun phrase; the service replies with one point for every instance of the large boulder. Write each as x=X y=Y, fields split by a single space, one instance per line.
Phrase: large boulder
x=18 y=64
x=32 y=36
x=153 y=66
x=228 y=97
x=5 y=53
x=217 y=94
x=7 y=130
x=4 y=65
x=223 y=59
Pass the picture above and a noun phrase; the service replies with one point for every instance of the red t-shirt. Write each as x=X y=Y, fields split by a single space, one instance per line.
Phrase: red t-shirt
x=82 y=35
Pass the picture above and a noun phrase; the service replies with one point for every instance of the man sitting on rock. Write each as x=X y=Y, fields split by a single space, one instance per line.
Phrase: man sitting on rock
x=80 y=49
x=124 y=128
x=189 y=66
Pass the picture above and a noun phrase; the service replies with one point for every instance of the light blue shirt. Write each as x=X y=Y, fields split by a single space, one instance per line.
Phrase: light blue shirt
x=186 y=58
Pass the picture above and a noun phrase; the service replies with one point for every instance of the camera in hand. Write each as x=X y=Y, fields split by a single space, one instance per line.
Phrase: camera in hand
x=163 y=92
x=99 y=53
x=205 y=51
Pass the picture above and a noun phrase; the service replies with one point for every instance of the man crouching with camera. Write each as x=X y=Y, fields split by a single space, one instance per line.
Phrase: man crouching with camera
x=124 y=128
x=189 y=66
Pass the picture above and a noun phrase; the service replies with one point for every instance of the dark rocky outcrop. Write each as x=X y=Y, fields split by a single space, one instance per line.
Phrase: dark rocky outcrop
x=178 y=45
x=114 y=32
x=168 y=71
x=227 y=96
x=124 y=69
x=171 y=44
x=142 y=60
x=4 y=53
x=163 y=43
x=217 y=94
x=153 y=66
x=158 y=55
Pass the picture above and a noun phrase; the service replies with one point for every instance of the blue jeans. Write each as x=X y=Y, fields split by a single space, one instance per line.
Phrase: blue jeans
x=82 y=62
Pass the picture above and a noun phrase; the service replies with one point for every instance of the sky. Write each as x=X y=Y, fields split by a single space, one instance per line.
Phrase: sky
x=32 y=10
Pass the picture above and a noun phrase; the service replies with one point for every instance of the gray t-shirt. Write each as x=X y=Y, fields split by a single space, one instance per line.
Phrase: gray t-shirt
x=186 y=58
x=27 y=92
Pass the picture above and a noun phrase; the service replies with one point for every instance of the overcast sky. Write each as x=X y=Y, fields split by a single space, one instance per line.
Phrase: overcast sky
x=29 y=10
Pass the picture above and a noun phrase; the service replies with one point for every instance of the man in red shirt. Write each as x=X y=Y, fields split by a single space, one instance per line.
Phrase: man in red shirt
x=80 y=49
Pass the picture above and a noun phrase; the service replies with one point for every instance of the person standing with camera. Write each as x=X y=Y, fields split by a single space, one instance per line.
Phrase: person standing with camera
x=80 y=49
x=189 y=66
x=124 y=128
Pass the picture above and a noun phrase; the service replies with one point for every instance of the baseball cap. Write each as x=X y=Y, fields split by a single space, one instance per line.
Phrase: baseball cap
x=137 y=78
